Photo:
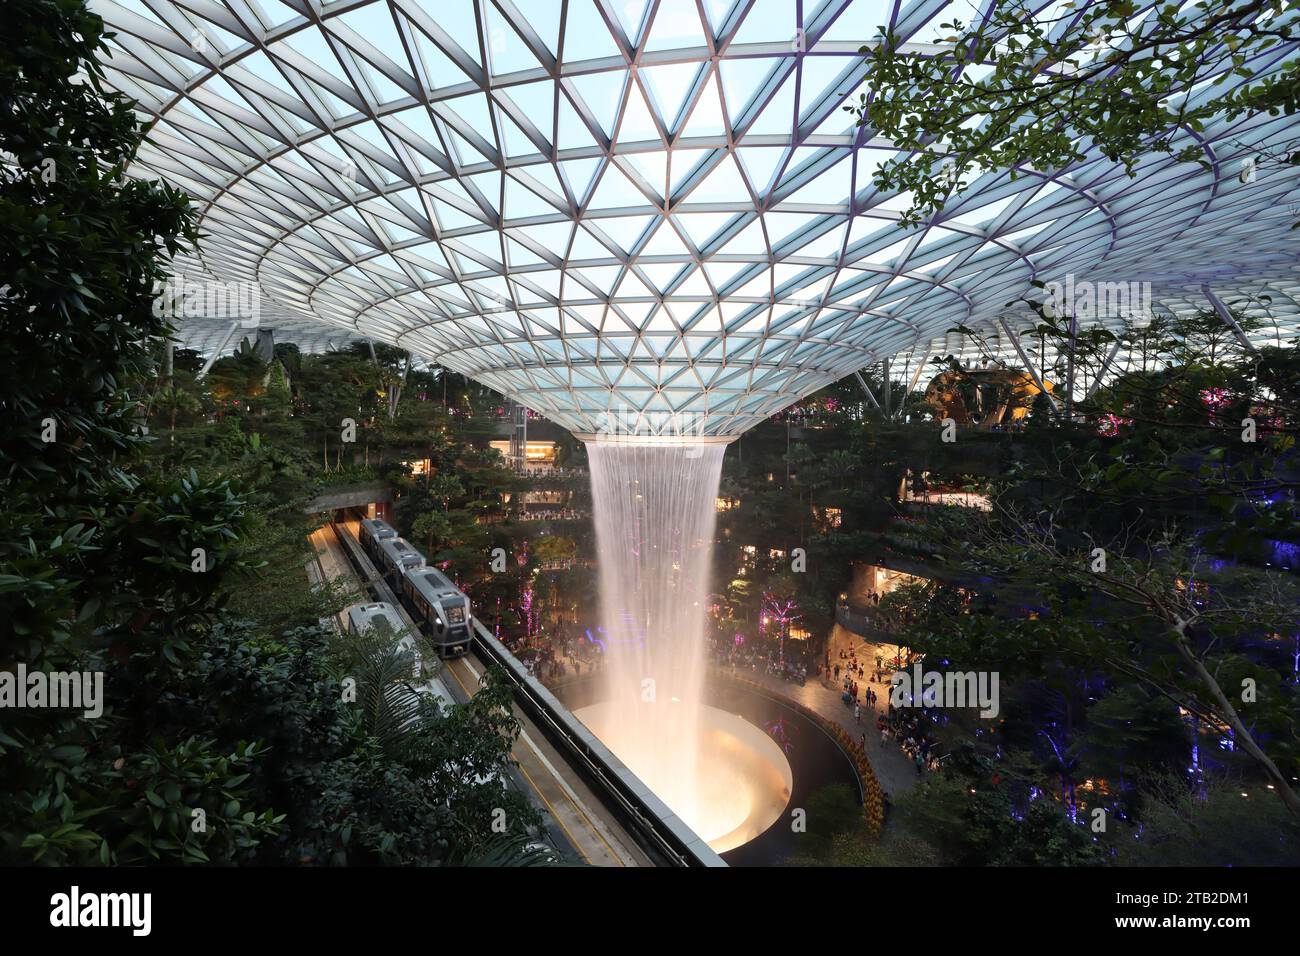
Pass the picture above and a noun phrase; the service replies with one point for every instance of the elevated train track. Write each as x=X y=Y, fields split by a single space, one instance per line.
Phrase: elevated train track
x=571 y=824
x=596 y=809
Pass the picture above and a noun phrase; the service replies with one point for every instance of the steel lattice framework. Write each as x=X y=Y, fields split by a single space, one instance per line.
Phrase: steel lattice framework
x=657 y=205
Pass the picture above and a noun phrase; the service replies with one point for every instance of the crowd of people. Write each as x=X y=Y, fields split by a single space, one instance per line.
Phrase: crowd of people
x=851 y=670
x=552 y=514
x=908 y=728
x=556 y=653
x=760 y=660
x=911 y=731
x=546 y=665
x=561 y=651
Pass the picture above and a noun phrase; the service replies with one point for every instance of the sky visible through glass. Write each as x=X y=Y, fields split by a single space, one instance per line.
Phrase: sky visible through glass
x=658 y=206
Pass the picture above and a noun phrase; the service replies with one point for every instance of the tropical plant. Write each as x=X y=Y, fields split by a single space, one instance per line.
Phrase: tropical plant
x=1015 y=90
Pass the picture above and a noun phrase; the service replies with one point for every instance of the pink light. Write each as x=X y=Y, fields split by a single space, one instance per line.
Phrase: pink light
x=1216 y=398
x=1108 y=425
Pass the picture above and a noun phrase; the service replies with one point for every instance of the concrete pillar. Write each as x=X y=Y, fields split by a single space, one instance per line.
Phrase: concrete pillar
x=518 y=435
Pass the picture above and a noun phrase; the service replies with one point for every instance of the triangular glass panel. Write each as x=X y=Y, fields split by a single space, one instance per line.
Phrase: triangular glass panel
x=676 y=26
x=586 y=36
x=723 y=184
x=616 y=191
x=777 y=114
x=579 y=173
x=741 y=79
x=506 y=50
x=637 y=122
x=544 y=17
x=706 y=117
x=669 y=86
x=601 y=94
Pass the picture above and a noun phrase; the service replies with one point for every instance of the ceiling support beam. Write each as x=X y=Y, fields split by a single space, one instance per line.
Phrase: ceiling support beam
x=1029 y=366
x=1101 y=372
x=1228 y=320
x=216 y=353
x=916 y=377
x=887 y=390
x=871 y=398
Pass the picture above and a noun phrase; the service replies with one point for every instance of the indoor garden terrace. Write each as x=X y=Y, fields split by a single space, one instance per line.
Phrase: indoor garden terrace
x=650 y=433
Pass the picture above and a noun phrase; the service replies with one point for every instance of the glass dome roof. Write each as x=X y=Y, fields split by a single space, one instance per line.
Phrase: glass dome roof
x=652 y=205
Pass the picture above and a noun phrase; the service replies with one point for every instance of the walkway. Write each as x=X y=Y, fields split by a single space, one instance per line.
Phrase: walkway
x=894 y=770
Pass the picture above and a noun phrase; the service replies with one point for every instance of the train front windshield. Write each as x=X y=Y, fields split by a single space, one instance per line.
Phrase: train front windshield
x=456 y=615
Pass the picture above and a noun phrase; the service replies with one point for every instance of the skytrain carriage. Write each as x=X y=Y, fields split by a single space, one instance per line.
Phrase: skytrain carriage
x=397 y=558
x=363 y=616
x=442 y=607
x=370 y=533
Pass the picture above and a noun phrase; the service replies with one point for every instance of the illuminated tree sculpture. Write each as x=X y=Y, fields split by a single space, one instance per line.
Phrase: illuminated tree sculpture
x=780 y=613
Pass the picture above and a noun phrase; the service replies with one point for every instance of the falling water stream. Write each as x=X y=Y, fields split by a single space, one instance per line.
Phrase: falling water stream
x=655 y=507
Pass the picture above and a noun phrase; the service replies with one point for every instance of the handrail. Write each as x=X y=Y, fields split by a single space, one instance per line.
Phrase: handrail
x=873 y=799
x=649 y=815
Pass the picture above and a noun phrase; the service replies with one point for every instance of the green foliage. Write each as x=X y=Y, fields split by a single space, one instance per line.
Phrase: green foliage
x=336 y=386
x=238 y=381
x=388 y=708
x=553 y=547
x=94 y=563
x=1131 y=735
x=1092 y=73
x=278 y=400
x=996 y=825
x=504 y=850
x=832 y=812
x=81 y=250
x=164 y=803
x=443 y=488
x=124 y=564
x=1185 y=609
x=352 y=785
x=430 y=527
x=1213 y=826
